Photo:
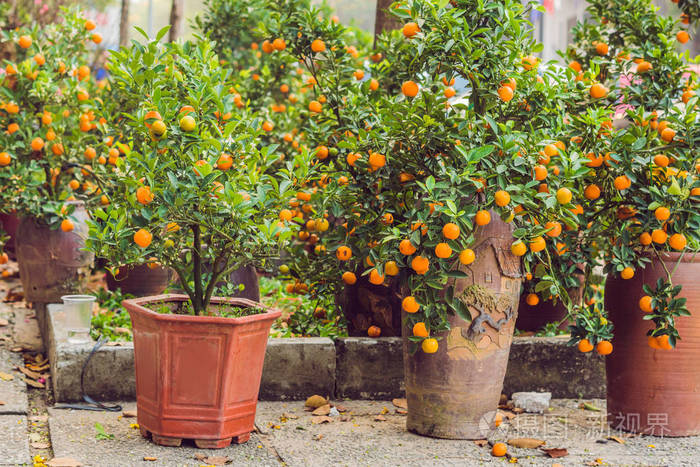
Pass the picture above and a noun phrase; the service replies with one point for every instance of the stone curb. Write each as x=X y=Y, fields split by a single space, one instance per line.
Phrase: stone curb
x=351 y=367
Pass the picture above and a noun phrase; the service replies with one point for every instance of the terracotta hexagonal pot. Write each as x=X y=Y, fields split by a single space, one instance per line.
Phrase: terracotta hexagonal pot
x=197 y=377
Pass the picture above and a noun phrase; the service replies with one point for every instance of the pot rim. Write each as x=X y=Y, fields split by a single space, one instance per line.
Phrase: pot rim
x=136 y=304
x=686 y=256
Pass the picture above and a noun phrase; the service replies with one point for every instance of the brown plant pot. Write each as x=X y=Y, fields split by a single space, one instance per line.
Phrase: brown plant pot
x=139 y=280
x=650 y=391
x=9 y=223
x=365 y=304
x=53 y=263
x=454 y=392
x=197 y=377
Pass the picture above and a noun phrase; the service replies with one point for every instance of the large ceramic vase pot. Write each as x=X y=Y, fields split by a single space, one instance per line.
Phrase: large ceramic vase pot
x=534 y=318
x=454 y=392
x=650 y=391
x=9 y=223
x=197 y=377
x=53 y=263
x=140 y=280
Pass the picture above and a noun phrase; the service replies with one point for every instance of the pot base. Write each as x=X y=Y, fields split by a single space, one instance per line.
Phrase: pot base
x=200 y=443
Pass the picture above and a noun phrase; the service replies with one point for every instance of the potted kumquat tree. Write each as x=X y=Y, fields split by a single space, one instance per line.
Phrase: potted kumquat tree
x=643 y=196
x=193 y=194
x=438 y=196
x=47 y=116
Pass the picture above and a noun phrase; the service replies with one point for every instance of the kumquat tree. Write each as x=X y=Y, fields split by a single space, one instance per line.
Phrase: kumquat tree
x=192 y=192
x=643 y=191
x=47 y=115
x=408 y=171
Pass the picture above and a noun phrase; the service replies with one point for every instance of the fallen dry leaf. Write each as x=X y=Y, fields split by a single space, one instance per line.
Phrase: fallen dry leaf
x=63 y=462
x=402 y=412
x=345 y=418
x=527 y=443
x=113 y=344
x=40 y=445
x=481 y=442
x=400 y=403
x=2 y=402
x=617 y=439
x=129 y=413
x=318 y=437
x=199 y=456
x=6 y=376
x=341 y=408
x=32 y=383
x=318 y=420
x=149 y=458
x=517 y=410
x=555 y=453
x=290 y=416
x=508 y=414
x=4 y=322
x=315 y=401
x=16 y=349
x=380 y=418
x=323 y=410
x=122 y=330
x=38 y=367
x=30 y=373
x=217 y=460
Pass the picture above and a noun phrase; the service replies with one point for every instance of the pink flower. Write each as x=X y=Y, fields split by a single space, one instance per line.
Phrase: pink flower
x=44 y=9
x=37 y=2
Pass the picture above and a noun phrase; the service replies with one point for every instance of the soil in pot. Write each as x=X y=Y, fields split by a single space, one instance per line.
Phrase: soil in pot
x=454 y=392
x=53 y=263
x=198 y=377
x=651 y=391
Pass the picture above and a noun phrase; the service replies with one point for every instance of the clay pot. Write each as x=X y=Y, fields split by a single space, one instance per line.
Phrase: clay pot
x=9 y=223
x=139 y=280
x=454 y=392
x=650 y=391
x=365 y=304
x=197 y=377
x=534 y=318
x=53 y=263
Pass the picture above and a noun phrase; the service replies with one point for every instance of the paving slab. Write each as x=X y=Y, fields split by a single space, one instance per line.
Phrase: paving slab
x=362 y=440
x=74 y=435
x=14 y=444
x=14 y=392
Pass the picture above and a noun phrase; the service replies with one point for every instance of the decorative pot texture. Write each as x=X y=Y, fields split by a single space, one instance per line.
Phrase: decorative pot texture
x=53 y=263
x=650 y=391
x=9 y=223
x=198 y=377
x=140 y=280
x=454 y=392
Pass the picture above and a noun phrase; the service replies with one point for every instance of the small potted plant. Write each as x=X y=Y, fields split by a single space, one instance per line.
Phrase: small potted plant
x=47 y=97
x=191 y=194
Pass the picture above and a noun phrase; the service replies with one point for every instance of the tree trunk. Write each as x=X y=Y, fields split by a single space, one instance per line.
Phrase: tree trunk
x=124 y=24
x=176 y=20
x=383 y=20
